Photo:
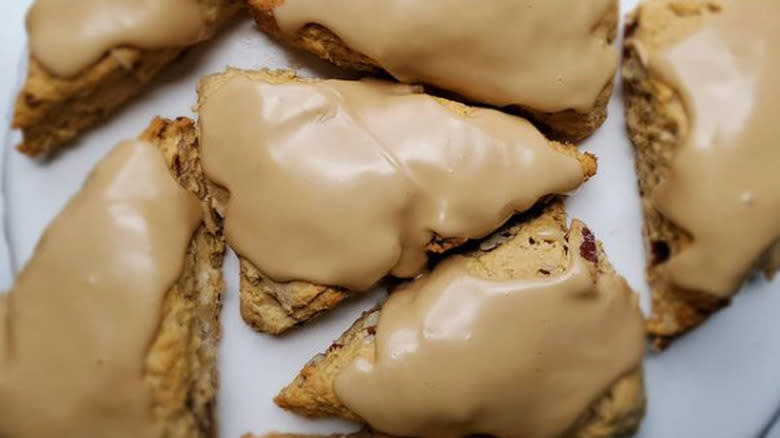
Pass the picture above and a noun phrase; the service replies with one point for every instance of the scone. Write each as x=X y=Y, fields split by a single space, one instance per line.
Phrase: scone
x=660 y=123
x=272 y=304
x=52 y=109
x=503 y=53
x=112 y=327
x=525 y=249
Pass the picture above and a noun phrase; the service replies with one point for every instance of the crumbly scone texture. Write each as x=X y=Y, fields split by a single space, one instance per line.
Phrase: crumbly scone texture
x=654 y=114
x=567 y=126
x=516 y=251
x=50 y=111
x=181 y=365
x=274 y=307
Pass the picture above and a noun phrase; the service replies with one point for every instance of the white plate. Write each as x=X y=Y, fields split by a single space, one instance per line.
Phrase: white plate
x=723 y=380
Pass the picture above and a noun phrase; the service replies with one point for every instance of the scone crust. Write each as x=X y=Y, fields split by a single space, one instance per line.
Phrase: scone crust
x=619 y=411
x=181 y=365
x=567 y=126
x=273 y=307
x=50 y=111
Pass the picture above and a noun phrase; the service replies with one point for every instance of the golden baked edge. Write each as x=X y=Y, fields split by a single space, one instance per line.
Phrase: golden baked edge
x=180 y=369
x=273 y=307
x=51 y=111
x=619 y=411
x=567 y=126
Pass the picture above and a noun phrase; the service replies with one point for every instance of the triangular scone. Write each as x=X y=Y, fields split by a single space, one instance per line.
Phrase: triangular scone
x=568 y=125
x=519 y=250
x=274 y=307
x=652 y=115
x=50 y=110
x=180 y=368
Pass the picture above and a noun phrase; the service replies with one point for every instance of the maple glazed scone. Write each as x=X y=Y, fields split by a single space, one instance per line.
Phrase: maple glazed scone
x=89 y=57
x=707 y=161
x=112 y=327
x=517 y=54
x=531 y=334
x=332 y=185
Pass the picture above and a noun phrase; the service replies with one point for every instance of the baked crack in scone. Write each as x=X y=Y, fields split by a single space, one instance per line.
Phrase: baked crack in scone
x=112 y=327
x=707 y=161
x=329 y=186
x=89 y=57
x=513 y=54
x=557 y=366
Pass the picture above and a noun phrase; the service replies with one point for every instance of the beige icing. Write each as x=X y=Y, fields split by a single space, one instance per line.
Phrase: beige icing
x=544 y=55
x=723 y=185
x=457 y=354
x=87 y=306
x=342 y=182
x=68 y=36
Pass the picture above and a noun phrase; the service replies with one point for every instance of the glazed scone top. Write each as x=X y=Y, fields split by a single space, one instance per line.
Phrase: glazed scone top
x=343 y=182
x=723 y=185
x=458 y=353
x=85 y=309
x=68 y=36
x=549 y=55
